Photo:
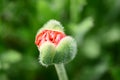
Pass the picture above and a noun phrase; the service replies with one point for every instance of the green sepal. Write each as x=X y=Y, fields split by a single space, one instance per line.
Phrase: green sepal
x=65 y=50
x=47 y=52
x=52 y=25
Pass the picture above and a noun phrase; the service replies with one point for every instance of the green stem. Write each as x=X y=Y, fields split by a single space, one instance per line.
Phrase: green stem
x=61 y=71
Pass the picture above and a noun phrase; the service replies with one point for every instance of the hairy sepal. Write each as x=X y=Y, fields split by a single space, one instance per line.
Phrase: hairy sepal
x=47 y=52
x=65 y=50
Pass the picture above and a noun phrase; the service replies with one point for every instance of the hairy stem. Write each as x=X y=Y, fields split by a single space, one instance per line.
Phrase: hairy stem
x=61 y=71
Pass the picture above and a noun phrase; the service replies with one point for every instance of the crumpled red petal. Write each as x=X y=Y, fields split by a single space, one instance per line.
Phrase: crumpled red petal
x=49 y=35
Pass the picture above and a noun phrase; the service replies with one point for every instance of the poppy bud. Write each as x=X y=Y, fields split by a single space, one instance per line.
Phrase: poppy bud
x=54 y=46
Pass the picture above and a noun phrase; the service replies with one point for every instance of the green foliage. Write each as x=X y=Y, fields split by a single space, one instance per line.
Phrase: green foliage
x=93 y=23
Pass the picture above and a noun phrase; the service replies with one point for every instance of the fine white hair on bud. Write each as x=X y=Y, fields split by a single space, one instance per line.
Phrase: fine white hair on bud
x=66 y=50
x=55 y=47
x=52 y=25
x=47 y=52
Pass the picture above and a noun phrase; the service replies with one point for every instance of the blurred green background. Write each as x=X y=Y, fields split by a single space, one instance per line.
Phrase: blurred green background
x=95 y=24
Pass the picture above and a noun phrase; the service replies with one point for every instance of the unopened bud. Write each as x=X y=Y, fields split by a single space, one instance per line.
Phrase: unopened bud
x=54 y=46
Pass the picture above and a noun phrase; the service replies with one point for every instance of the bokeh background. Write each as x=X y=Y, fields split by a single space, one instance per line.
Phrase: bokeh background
x=95 y=24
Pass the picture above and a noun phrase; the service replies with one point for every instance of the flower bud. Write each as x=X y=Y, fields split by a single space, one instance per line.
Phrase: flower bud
x=54 y=46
